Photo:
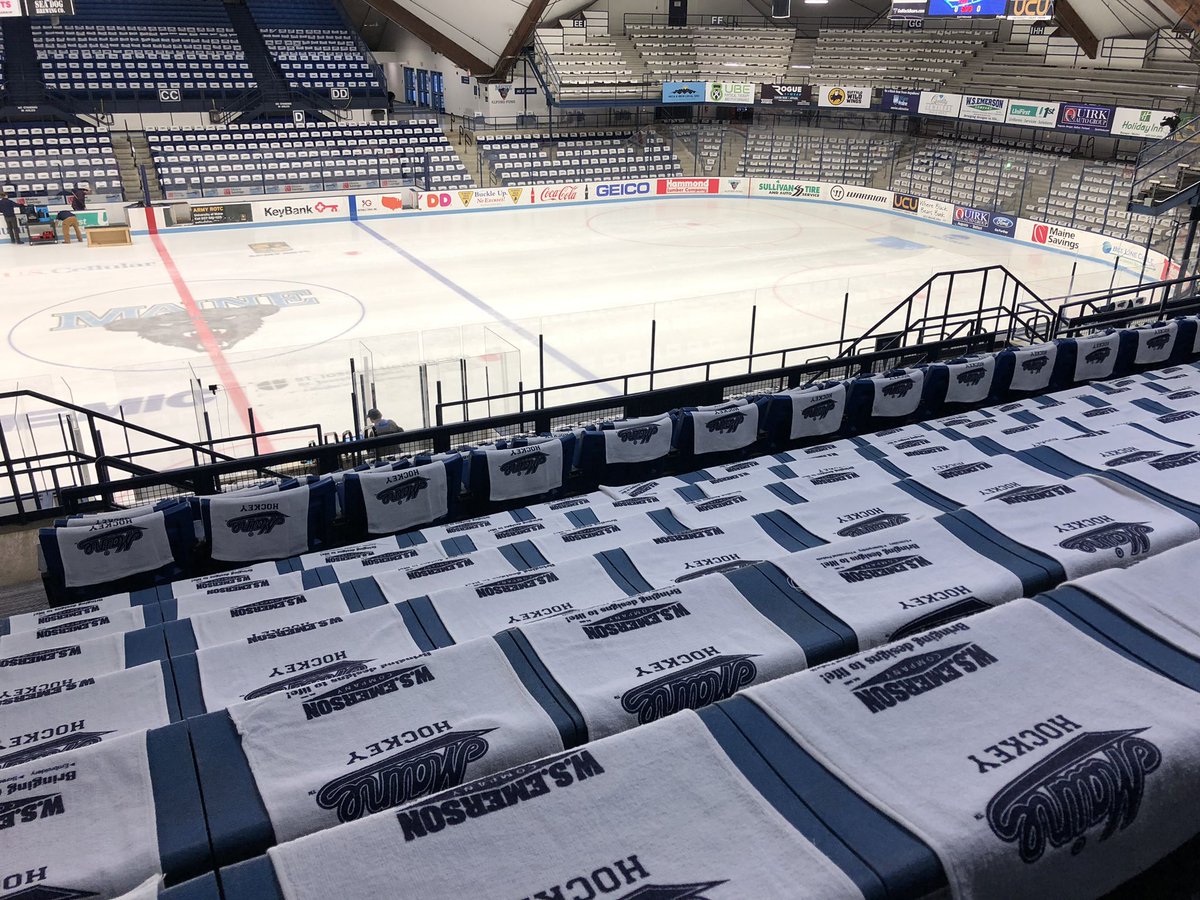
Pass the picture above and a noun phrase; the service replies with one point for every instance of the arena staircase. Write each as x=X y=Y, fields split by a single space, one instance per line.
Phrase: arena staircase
x=22 y=71
x=1168 y=172
x=133 y=151
x=271 y=84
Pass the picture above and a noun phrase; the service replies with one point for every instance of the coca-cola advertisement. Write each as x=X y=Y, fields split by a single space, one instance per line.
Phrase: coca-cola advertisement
x=558 y=193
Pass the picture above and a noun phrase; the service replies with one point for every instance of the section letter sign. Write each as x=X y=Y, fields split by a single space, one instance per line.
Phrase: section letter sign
x=683 y=92
x=1085 y=117
x=839 y=96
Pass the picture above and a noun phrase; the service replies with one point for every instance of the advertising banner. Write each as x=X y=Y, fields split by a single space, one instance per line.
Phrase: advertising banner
x=371 y=205
x=301 y=208
x=785 y=94
x=908 y=9
x=1030 y=9
x=1031 y=113
x=859 y=196
x=906 y=102
x=683 y=92
x=797 y=190
x=50 y=7
x=936 y=103
x=737 y=93
x=573 y=192
x=840 y=96
x=1085 y=117
x=1054 y=236
x=10 y=8
x=221 y=213
x=689 y=186
x=936 y=211
x=906 y=203
x=622 y=190
x=1142 y=123
x=983 y=220
x=983 y=109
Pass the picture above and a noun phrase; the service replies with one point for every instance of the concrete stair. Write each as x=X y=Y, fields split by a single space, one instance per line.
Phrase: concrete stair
x=133 y=150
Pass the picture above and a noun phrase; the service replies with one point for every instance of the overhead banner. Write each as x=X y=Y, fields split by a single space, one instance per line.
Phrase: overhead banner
x=785 y=94
x=983 y=109
x=840 y=96
x=1031 y=114
x=1142 y=123
x=935 y=103
x=907 y=102
x=737 y=93
x=1085 y=117
x=683 y=92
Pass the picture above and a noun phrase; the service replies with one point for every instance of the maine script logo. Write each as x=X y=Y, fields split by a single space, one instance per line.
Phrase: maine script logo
x=1096 y=778
x=726 y=424
x=693 y=687
x=527 y=464
x=119 y=540
x=49 y=748
x=256 y=524
x=1112 y=536
x=639 y=434
x=407 y=490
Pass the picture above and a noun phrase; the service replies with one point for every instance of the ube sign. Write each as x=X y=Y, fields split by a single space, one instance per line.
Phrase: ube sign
x=1085 y=117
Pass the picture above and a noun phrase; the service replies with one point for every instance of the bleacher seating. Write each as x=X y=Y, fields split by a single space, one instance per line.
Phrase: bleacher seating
x=538 y=158
x=259 y=158
x=134 y=48
x=897 y=59
x=46 y=161
x=813 y=154
x=737 y=577
x=315 y=48
x=714 y=53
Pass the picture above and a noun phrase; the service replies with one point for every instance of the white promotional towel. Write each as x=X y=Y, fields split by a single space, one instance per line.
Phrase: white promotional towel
x=1087 y=523
x=729 y=427
x=1032 y=760
x=858 y=513
x=1158 y=593
x=72 y=631
x=905 y=580
x=660 y=486
x=66 y=663
x=399 y=499
x=1181 y=425
x=1096 y=356
x=637 y=440
x=588 y=540
x=889 y=437
x=1172 y=473
x=920 y=454
x=88 y=609
x=1118 y=447
x=603 y=506
x=467 y=527
x=525 y=471
x=970 y=381
x=481 y=609
x=897 y=395
x=363 y=550
x=113 y=549
x=272 y=617
x=247 y=670
x=585 y=823
x=222 y=592
x=743 y=474
x=816 y=412
x=1013 y=434
x=721 y=507
x=425 y=578
x=239 y=575
x=525 y=530
x=147 y=890
x=1154 y=344
x=392 y=735
x=386 y=561
x=1033 y=366
x=638 y=660
x=830 y=478
x=678 y=558
x=83 y=822
x=93 y=518
x=567 y=504
x=970 y=482
x=274 y=526
x=103 y=708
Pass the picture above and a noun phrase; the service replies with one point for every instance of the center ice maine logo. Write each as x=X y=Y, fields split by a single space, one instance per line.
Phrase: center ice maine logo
x=406 y=490
x=434 y=766
x=1097 y=778
x=693 y=687
x=119 y=540
x=256 y=524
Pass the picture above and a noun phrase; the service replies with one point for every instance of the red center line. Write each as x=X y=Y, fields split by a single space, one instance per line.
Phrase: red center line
x=207 y=339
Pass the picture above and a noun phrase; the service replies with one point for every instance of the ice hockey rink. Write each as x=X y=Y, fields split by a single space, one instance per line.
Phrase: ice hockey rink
x=286 y=308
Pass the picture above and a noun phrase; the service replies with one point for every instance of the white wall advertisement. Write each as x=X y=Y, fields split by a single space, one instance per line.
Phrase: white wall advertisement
x=936 y=211
x=734 y=92
x=622 y=190
x=840 y=96
x=859 y=196
x=935 y=103
x=983 y=109
x=485 y=198
x=1031 y=113
x=373 y=205
x=306 y=208
x=785 y=188
x=1141 y=123
x=10 y=8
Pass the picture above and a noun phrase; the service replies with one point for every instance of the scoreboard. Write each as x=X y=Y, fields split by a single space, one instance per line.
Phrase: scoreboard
x=11 y=8
x=1027 y=10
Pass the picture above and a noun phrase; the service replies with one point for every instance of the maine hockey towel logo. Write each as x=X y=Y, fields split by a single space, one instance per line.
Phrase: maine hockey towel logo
x=119 y=540
x=730 y=565
x=528 y=464
x=963 y=469
x=639 y=434
x=49 y=748
x=693 y=687
x=521 y=582
x=1174 y=460
x=407 y=490
x=819 y=410
x=343 y=669
x=971 y=377
x=1034 y=366
x=434 y=766
x=362 y=690
x=952 y=612
x=881 y=568
x=1096 y=778
x=633 y=620
x=898 y=389
x=29 y=809
x=1126 y=459
x=1097 y=356
x=256 y=524
x=1113 y=536
x=873 y=524
x=920 y=674
x=1159 y=341
x=726 y=424
x=1032 y=493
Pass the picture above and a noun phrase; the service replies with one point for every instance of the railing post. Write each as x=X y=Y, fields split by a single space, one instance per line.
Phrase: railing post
x=253 y=430
x=653 y=348
x=753 y=324
x=541 y=371
x=12 y=476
